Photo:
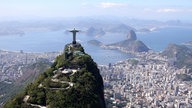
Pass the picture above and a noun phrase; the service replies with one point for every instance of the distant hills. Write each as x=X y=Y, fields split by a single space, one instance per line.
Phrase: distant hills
x=106 y=23
x=181 y=54
x=122 y=28
x=73 y=81
x=95 y=32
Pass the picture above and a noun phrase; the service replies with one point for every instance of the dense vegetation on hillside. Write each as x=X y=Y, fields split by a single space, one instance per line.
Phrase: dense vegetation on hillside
x=82 y=88
x=182 y=55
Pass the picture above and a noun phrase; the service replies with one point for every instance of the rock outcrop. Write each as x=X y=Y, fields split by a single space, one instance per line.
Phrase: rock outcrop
x=131 y=35
x=130 y=44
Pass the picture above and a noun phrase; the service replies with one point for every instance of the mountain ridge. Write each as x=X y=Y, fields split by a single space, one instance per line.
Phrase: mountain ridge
x=181 y=54
x=73 y=80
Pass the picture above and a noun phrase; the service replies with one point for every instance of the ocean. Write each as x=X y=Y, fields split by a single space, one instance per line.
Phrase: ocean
x=55 y=41
x=160 y=38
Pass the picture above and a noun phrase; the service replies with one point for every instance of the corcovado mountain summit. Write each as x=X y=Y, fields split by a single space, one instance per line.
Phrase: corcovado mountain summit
x=73 y=81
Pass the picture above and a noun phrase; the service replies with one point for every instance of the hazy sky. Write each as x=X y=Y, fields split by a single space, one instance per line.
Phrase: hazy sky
x=143 y=9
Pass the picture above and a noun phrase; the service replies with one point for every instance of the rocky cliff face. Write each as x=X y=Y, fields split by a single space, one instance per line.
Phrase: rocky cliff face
x=131 y=35
x=72 y=81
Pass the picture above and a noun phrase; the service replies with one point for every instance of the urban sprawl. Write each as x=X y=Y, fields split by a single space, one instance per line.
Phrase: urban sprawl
x=147 y=80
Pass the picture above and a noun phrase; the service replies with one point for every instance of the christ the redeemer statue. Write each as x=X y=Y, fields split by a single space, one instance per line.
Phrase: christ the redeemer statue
x=74 y=35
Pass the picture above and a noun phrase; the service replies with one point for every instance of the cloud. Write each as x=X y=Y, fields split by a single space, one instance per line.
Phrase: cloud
x=168 y=10
x=110 y=5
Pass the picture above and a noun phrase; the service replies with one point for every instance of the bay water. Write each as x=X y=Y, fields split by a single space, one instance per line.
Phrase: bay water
x=56 y=40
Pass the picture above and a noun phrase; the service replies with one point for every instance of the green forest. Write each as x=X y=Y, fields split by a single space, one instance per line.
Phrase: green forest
x=80 y=88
